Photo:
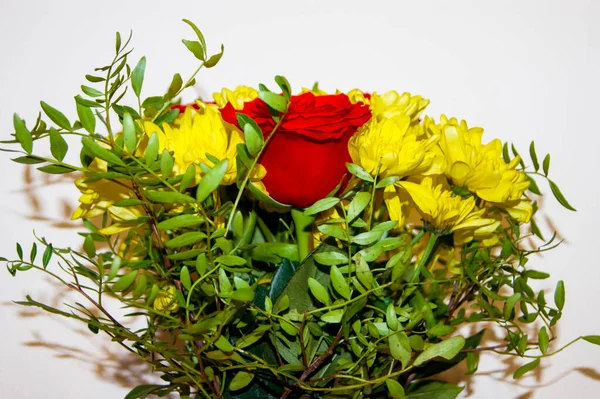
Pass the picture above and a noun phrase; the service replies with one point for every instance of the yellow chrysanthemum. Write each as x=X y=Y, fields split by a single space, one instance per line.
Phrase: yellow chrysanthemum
x=390 y=104
x=97 y=197
x=393 y=146
x=166 y=301
x=236 y=97
x=200 y=133
x=448 y=213
x=396 y=204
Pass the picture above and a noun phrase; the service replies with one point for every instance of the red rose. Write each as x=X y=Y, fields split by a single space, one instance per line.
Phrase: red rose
x=306 y=158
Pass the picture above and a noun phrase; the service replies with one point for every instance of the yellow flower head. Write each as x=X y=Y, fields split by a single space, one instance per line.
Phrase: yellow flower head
x=357 y=96
x=166 y=301
x=393 y=145
x=478 y=167
x=391 y=104
x=200 y=133
x=449 y=213
x=237 y=97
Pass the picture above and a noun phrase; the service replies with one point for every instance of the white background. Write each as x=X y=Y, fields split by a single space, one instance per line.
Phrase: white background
x=523 y=70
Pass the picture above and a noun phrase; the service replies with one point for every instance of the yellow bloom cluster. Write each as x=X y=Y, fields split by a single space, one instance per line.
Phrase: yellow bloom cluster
x=433 y=161
x=199 y=135
x=236 y=97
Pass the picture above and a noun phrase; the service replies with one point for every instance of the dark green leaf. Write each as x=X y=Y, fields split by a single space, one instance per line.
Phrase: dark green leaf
x=175 y=86
x=55 y=169
x=505 y=153
x=509 y=305
x=28 y=160
x=94 y=79
x=215 y=58
x=240 y=380
x=592 y=339
x=142 y=391
x=137 y=76
x=89 y=247
x=559 y=196
x=395 y=389
x=47 y=255
x=58 y=145
x=284 y=85
x=433 y=390
x=56 y=116
x=22 y=134
x=533 y=155
x=282 y=276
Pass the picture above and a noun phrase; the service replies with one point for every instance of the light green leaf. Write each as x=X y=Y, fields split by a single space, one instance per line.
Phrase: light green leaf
x=543 y=340
x=284 y=85
x=395 y=389
x=319 y=291
x=58 y=145
x=509 y=305
x=367 y=238
x=363 y=273
x=331 y=258
x=167 y=197
x=359 y=172
x=339 y=282
x=526 y=368
x=90 y=91
x=184 y=277
x=333 y=231
x=533 y=155
x=151 y=149
x=195 y=48
x=231 y=260
x=189 y=177
x=197 y=32
x=275 y=101
x=56 y=116
x=166 y=164
x=215 y=58
x=185 y=239
x=253 y=138
x=86 y=117
x=446 y=349
x=400 y=347
x=335 y=316
x=559 y=295
x=358 y=204
x=180 y=221
x=56 y=169
x=321 y=205
x=240 y=380
x=391 y=318
x=124 y=282
x=211 y=180
x=100 y=152
x=243 y=295
x=137 y=76
x=22 y=134
x=129 y=135
x=592 y=339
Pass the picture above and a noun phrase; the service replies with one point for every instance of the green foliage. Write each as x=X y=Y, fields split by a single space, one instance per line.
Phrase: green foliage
x=236 y=305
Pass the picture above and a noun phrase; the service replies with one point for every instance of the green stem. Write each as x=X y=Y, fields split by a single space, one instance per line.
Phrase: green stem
x=428 y=251
x=302 y=226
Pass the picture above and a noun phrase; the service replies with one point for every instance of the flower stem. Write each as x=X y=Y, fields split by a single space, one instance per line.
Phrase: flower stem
x=423 y=261
x=302 y=226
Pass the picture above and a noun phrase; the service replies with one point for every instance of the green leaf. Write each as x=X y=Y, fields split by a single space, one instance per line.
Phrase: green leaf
x=184 y=277
x=331 y=258
x=433 y=390
x=151 y=149
x=124 y=282
x=395 y=389
x=363 y=273
x=195 y=48
x=400 y=347
x=55 y=169
x=253 y=138
x=339 y=282
x=243 y=295
x=94 y=79
x=505 y=154
x=559 y=196
x=90 y=91
x=167 y=197
x=533 y=155
x=359 y=172
x=214 y=59
x=264 y=198
x=387 y=181
x=56 y=116
x=559 y=295
x=129 y=135
x=189 y=177
x=47 y=255
x=100 y=152
x=197 y=31
x=319 y=291
x=335 y=316
x=275 y=101
x=367 y=238
x=166 y=164
x=175 y=86
x=231 y=260
x=333 y=231
x=543 y=340
x=137 y=76
x=284 y=85
x=211 y=180
x=58 y=145
x=536 y=275
x=592 y=339
x=533 y=187
x=526 y=368
x=86 y=117
x=282 y=276
x=390 y=317
x=446 y=349
x=546 y=164
x=240 y=380
x=89 y=247
x=180 y=221
x=142 y=391
x=321 y=205
x=28 y=160
x=358 y=204
x=22 y=134
x=185 y=239
x=509 y=305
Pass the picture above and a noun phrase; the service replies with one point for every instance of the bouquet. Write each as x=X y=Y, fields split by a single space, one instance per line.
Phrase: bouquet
x=280 y=245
